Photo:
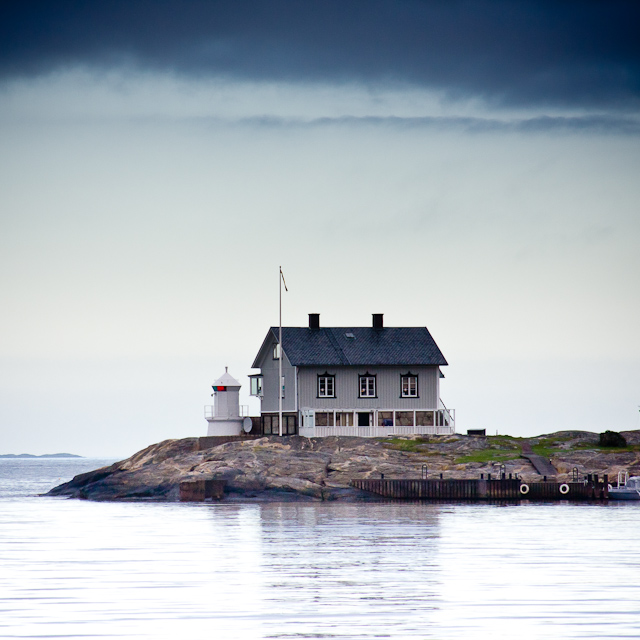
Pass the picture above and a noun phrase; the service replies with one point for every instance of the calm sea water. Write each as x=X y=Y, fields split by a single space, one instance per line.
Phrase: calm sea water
x=77 y=569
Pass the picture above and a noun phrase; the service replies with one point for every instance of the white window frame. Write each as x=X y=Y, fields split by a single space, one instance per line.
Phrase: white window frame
x=276 y=351
x=410 y=393
x=256 y=386
x=326 y=386
x=367 y=386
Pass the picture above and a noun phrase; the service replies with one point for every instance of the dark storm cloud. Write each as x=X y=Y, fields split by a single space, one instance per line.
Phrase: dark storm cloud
x=578 y=53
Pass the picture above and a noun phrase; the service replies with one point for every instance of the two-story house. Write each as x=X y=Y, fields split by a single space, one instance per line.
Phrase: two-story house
x=364 y=381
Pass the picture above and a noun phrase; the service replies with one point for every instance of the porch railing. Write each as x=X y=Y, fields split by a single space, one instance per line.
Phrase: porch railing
x=382 y=422
x=373 y=432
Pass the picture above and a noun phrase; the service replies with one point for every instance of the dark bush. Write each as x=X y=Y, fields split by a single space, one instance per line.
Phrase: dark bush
x=612 y=439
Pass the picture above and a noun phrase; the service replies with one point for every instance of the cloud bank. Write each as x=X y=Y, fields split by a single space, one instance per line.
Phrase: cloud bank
x=538 y=53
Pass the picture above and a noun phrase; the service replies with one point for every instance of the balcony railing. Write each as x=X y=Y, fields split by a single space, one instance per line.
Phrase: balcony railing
x=210 y=415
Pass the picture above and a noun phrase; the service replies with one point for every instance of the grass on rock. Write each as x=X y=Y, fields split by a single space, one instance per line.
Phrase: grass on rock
x=410 y=446
x=489 y=455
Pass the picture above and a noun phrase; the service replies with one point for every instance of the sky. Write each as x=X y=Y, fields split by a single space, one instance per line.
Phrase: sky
x=471 y=166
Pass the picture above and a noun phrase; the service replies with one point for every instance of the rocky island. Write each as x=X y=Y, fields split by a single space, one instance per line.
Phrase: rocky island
x=296 y=468
x=44 y=455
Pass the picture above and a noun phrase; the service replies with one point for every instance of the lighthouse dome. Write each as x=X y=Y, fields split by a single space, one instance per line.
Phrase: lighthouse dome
x=226 y=380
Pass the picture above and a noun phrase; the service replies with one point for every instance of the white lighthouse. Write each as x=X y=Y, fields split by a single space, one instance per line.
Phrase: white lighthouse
x=225 y=419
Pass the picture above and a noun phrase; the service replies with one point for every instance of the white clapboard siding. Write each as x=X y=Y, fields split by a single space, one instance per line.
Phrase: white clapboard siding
x=387 y=387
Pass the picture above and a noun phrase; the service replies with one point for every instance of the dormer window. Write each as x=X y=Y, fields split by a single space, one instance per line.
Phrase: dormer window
x=326 y=386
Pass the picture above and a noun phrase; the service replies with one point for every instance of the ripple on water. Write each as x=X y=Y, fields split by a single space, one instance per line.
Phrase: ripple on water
x=298 y=570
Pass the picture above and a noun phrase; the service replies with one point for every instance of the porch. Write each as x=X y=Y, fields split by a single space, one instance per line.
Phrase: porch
x=376 y=423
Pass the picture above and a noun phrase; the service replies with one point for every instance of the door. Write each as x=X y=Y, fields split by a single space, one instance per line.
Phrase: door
x=364 y=419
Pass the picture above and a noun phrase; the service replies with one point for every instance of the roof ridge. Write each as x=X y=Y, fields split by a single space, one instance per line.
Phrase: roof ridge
x=336 y=346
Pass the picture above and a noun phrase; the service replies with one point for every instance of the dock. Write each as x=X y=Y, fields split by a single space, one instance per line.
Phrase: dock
x=509 y=489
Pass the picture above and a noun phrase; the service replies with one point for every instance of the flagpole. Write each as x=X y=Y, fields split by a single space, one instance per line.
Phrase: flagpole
x=280 y=358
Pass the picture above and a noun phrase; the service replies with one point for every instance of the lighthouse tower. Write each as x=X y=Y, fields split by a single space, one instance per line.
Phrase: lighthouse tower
x=225 y=420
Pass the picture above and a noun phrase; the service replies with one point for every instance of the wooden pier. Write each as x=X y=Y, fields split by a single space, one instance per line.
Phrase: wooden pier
x=494 y=489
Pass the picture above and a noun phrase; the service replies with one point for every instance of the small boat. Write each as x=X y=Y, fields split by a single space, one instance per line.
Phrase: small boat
x=628 y=488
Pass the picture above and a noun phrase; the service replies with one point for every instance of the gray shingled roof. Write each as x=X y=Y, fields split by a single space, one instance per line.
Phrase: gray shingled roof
x=331 y=346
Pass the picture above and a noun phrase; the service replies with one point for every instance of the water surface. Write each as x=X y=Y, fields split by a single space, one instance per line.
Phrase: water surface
x=71 y=568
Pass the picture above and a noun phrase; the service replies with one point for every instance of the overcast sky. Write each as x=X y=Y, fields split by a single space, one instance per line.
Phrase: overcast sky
x=468 y=166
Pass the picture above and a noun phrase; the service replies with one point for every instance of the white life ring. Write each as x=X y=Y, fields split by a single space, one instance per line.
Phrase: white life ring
x=610 y=487
x=524 y=489
x=564 y=489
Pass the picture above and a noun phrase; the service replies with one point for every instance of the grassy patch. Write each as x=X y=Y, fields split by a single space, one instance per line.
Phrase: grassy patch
x=548 y=447
x=548 y=452
x=489 y=455
x=505 y=442
x=410 y=446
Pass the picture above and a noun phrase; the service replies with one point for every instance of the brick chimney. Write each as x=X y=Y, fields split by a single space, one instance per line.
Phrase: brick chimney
x=377 y=321
x=314 y=321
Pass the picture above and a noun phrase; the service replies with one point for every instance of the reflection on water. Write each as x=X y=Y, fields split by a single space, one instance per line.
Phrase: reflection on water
x=125 y=570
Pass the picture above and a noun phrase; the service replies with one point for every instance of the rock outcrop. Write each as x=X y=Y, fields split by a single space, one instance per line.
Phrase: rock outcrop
x=297 y=468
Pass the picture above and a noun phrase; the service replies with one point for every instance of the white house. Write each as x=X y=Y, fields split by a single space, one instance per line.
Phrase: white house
x=360 y=381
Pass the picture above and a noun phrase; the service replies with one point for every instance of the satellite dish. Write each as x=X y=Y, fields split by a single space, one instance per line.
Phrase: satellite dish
x=247 y=425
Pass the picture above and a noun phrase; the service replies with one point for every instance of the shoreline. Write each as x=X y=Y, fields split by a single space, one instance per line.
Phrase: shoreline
x=294 y=468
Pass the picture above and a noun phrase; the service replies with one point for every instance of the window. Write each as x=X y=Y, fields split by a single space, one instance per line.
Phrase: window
x=324 y=419
x=404 y=418
x=367 y=386
x=256 y=386
x=270 y=425
x=409 y=386
x=344 y=419
x=276 y=351
x=326 y=386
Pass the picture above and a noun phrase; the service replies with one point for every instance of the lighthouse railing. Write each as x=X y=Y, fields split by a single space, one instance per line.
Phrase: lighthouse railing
x=209 y=413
